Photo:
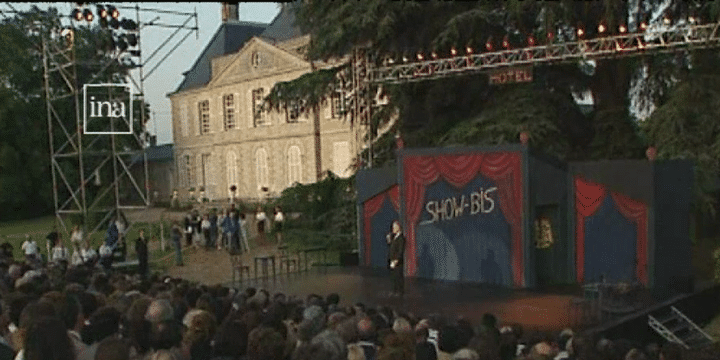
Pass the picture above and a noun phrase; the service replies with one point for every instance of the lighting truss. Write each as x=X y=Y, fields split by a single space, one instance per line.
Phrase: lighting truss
x=677 y=38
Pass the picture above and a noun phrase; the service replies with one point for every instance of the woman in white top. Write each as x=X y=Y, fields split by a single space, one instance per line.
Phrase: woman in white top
x=261 y=218
x=60 y=252
x=30 y=248
x=88 y=254
x=278 y=224
x=77 y=236
x=76 y=259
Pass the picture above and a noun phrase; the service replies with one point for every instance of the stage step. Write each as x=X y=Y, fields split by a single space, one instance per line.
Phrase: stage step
x=678 y=328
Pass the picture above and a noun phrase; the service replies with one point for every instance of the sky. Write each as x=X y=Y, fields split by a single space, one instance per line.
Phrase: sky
x=168 y=75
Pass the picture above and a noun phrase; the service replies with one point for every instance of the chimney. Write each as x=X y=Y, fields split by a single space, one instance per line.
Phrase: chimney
x=230 y=12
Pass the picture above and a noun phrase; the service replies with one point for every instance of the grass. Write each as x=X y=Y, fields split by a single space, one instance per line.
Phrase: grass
x=14 y=232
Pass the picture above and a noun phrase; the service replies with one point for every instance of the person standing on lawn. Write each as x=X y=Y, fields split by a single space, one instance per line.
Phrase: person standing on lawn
x=141 y=249
x=177 y=234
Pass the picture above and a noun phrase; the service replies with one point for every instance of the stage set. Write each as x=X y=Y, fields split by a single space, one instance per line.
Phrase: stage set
x=513 y=217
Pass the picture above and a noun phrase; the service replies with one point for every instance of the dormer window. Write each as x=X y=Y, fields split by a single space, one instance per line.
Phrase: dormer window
x=255 y=59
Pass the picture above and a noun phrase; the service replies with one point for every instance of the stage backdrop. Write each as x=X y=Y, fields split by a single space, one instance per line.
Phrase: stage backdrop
x=463 y=216
x=379 y=212
x=611 y=235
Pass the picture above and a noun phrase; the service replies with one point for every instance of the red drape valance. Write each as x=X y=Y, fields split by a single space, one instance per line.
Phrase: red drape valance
x=459 y=170
x=370 y=208
x=588 y=198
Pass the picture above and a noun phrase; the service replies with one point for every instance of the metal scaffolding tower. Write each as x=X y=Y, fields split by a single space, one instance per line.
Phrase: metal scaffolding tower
x=79 y=160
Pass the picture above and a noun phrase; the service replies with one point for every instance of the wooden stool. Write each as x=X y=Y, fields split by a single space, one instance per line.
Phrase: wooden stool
x=238 y=267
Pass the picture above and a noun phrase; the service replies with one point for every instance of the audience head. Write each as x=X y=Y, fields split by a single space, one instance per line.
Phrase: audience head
x=113 y=348
x=47 y=338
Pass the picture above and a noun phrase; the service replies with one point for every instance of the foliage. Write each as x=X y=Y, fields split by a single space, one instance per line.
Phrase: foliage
x=25 y=182
x=309 y=89
x=326 y=213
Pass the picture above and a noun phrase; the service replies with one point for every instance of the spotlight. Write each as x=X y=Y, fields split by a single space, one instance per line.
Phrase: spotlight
x=666 y=20
x=580 y=32
x=453 y=52
x=692 y=20
x=88 y=15
x=77 y=15
x=550 y=36
x=601 y=28
x=531 y=40
x=622 y=28
x=506 y=42
x=113 y=11
x=391 y=61
x=405 y=59
x=434 y=55
x=102 y=12
x=489 y=45
x=420 y=56
x=121 y=45
x=114 y=23
x=643 y=26
x=468 y=50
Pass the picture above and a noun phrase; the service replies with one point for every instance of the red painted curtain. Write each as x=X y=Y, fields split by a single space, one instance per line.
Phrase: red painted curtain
x=458 y=170
x=588 y=198
x=371 y=207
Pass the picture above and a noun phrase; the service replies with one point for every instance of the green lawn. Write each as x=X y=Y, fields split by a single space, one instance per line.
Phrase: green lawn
x=14 y=233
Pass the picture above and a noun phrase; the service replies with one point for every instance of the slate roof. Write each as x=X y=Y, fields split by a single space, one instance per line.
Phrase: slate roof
x=158 y=154
x=283 y=26
x=229 y=38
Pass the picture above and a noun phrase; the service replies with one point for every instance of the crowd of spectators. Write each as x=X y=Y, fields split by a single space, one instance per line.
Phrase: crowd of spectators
x=86 y=313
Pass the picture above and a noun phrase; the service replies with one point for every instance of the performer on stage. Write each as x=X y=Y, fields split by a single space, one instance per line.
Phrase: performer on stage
x=396 y=253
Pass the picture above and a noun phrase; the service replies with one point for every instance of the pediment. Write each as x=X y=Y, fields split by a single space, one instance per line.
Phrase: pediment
x=257 y=59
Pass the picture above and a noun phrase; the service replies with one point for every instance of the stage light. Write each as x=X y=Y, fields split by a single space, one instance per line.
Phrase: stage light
x=391 y=61
x=550 y=36
x=121 y=44
x=601 y=28
x=506 y=42
x=692 y=20
x=453 y=52
x=666 y=20
x=580 y=32
x=113 y=11
x=405 y=59
x=622 y=28
x=489 y=45
x=128 y=24
x=468 y=50
x=434 y=55
x=102 y=12
x=643 y=26
x=420 y=56
x=77 y=15
x=88 y=15
x=114 y=23
x=531 y=40
x=132 y=39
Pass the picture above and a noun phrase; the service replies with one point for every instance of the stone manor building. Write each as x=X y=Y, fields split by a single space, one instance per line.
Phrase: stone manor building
x=224 y=137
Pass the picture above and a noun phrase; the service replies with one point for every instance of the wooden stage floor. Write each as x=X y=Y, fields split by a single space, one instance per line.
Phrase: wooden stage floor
x=544 y=311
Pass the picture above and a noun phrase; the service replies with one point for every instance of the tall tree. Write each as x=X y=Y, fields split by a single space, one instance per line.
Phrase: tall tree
x=25 y=182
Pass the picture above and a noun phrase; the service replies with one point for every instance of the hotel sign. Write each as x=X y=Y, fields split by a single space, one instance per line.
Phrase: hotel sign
x=511 y=76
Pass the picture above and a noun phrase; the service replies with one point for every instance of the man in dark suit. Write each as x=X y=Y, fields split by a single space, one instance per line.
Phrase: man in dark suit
x=141 y=248
x=396 y=254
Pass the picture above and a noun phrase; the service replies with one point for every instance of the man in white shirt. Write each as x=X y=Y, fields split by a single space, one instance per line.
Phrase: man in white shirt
x=60 y=252
x=88 y=254
x=30 y=248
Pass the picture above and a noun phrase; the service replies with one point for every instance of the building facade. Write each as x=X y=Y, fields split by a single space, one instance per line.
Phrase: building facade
x=224 y=136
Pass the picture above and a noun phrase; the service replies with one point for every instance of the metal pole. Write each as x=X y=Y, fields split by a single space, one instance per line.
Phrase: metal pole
x=79 y=131
x=48 y=105
x=142 y=113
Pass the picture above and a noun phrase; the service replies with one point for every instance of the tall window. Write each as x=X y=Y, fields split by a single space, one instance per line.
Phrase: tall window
x=229 y=113
x=255 y=59
x=337 y=105
x=294 y=166
x=261 y=165
x=231 y=167
x=257 y=104
x=204 y=116
x=184 y=128
x=294 y=110
x=341 y=158
x=206 y=172
x=188 y=171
